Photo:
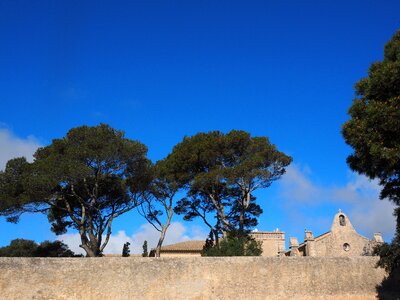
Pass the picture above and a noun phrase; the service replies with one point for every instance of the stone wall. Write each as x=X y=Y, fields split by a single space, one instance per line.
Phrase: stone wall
x=272 y=242
x=190 y=278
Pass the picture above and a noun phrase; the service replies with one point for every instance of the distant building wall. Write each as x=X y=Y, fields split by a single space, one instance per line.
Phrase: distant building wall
x=190 y=278
x=272 y=242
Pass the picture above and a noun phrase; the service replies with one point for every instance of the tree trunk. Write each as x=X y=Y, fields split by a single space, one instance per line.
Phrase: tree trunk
x=91 y=247
x=241 y=223
x=245 y=202
x=160 y=241
x=216 y=238
x=164 y=228
x=90 y=252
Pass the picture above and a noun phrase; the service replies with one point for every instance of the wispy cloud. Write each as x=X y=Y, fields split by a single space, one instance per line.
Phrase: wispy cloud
x=359 y=196
x=177 y=232
x=12 y=146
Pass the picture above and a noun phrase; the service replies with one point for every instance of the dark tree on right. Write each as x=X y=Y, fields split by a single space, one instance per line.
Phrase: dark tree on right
x=373 y=132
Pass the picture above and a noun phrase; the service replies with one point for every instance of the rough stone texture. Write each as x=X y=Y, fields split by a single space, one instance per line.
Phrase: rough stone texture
x=272 y=242
x=190 y=278
x=332 y=244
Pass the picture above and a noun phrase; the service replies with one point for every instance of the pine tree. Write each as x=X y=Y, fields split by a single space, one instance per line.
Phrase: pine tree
x=125 y=250
x=145 y=252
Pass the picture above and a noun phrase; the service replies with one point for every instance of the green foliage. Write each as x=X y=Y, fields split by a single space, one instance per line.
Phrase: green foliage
x=242 y=226
x=374 y=134
x=125 y=250
x=54 y=249
x=373 y=130
x=390 y=253
x=233 y=246
x=209 y=243
x=389 y=256
x=19 y=248
x=220 y=172
x=145 y=250
x=82 y=181
x=12 y=196
x=28 y=248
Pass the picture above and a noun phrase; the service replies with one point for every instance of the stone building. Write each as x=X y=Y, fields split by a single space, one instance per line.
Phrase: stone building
x=341 y=240
x=273 y=242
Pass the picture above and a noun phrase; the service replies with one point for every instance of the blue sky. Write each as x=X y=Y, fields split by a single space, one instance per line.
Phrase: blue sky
x=160 y=70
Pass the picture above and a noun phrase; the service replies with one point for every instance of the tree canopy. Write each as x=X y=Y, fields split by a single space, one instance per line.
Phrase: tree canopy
x=373 y=132
x=221 y=172
x=82 y=181
x=94 y=174
x=374 y=127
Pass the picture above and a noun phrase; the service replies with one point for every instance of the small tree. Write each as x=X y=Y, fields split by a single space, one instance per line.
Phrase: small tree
x=125 y=250
x=158 y=200
x=54 y=249
x=28 y=248
x=209 y=243
x=19 y=248
x=234 y=246
x=145 y=251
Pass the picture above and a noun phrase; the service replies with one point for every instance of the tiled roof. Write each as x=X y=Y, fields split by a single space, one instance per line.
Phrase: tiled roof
x=184 y=246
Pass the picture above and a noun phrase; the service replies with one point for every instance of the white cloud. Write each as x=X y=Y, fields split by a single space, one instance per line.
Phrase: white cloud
x=12 y=146
x=296 y=186
x=360 y=197
x=177 y=232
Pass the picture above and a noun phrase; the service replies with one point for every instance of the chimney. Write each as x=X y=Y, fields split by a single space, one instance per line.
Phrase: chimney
x=378 y=237
x=294 y=247
x=310 y=243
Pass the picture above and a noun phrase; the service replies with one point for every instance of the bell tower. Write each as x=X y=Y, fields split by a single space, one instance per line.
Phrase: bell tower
x=341 y=223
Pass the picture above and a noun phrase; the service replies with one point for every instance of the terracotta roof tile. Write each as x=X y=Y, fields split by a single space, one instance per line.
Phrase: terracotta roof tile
x=196 y=245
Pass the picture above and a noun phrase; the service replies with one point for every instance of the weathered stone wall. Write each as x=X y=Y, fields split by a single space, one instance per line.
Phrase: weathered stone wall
x=189 y=278
x=272 y=242
x=333 y=243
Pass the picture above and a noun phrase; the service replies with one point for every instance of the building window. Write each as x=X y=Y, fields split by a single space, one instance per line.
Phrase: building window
x=342 y=220
x=346 y=247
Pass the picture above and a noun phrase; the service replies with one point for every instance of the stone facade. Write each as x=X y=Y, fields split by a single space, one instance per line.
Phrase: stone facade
x=341 y=240
x=273 y=243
